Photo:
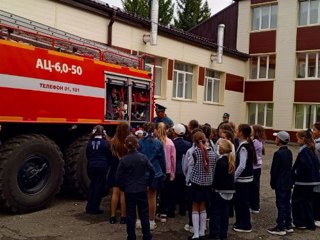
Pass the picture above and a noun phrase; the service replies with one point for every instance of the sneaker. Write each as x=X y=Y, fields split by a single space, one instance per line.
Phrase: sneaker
x=277 y=231
x=153 y=225
x=138 y=223
x=188 y=228
x=289 y=229
x=317 y=223
x=123 y=220
x=163 y=218
x=113 y=220
x=236 y=229
x=254 y=211
x=301 y=227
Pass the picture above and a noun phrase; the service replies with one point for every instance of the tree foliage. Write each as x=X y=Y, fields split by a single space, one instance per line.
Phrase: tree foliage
x=143 y=8
x=191 y=13
x=166 y=10
x=138 y=7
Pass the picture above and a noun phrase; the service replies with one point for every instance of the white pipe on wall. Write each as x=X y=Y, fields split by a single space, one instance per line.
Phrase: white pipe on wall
x=154 y=22
x=220 y=42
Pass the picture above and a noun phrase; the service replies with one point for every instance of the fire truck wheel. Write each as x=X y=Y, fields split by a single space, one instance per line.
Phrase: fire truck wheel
x=76 y=177
x=31 y=172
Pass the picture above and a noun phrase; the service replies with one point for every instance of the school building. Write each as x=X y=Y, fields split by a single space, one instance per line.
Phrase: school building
x=270 y=73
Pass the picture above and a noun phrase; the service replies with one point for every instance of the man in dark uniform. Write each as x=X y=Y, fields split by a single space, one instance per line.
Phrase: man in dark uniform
x=225 y=119
x=162 y=116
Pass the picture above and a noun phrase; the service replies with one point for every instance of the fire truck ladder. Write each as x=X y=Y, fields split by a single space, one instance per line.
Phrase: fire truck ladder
x=63 y=40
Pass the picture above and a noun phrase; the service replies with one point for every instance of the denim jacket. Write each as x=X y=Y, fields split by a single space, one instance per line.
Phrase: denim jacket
x=154 y=151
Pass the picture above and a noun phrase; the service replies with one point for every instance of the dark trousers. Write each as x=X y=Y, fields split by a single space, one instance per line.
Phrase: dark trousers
x=180 y=192
x=316 y=206
x=283 y=202
x=302 y=206
x=189 y=204
x=255 y=190
x=241 y=206
x=140 y=201
x=166 y=204
x=219 y=216
x=97 y=186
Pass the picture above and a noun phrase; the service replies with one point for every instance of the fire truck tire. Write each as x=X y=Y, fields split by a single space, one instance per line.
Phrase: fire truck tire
x=31 y=173
x=76 y=177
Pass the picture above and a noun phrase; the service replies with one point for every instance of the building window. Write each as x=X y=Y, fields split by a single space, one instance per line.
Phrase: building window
x=260 y=113
x=264 y=17
x=306 y=115
x=308 y=65
x=211 y=86
x=182 y=81
x=309 y=12
x=149 y=66
x=263 y=67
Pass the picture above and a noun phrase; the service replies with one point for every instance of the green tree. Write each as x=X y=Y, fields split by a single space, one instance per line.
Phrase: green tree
x=205 y=11
x=143 y=9
x=191 y=13
x=138 y=7
x=166 y=10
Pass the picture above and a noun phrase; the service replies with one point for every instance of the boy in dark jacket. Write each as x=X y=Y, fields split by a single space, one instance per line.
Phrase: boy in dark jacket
x=131 y=178
x=281 y=181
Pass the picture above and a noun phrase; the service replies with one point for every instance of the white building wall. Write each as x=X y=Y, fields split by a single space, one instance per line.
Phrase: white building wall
x=92 y=26
x=283 y=95
x=244 y=26
x=62 y=17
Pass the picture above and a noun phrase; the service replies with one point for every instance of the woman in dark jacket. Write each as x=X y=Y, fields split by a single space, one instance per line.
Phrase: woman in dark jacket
x=306 y=176
x=98 y=156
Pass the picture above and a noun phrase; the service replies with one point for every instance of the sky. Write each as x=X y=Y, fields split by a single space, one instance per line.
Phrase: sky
x=215 y=5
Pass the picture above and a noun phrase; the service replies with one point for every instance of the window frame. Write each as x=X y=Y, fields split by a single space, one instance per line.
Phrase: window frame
x=213 y=80
x=305 y=113
x=306 y=65
x=308 y=13
x=258 y=57
x=152 y=71
x=265 y=111
x=184 y=73
x=259 y=8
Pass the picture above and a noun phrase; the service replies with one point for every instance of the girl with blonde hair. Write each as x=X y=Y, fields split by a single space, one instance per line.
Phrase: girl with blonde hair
x=223 y=189
x=166 y=192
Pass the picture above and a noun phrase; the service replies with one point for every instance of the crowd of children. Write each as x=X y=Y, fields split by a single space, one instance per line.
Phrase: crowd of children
x=204 y=173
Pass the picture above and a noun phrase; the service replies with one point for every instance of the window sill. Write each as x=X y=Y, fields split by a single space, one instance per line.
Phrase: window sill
x=263 y=30
x=261 y=80
x=306 y=79
x=309 y=25
x=212 y=103
x=182 y=100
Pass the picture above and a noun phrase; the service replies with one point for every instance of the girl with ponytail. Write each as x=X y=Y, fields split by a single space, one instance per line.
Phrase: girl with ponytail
x=202 y=169
x=245 y=158
x=306 y=177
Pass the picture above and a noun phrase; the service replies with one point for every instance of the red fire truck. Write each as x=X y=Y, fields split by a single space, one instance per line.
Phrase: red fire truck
x=52 y=92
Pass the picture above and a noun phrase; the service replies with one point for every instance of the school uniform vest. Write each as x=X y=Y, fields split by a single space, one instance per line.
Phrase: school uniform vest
x=247 y=173
x=223 y=181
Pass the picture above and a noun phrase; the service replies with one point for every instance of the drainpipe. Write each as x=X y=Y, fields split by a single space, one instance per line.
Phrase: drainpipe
x=112 y=20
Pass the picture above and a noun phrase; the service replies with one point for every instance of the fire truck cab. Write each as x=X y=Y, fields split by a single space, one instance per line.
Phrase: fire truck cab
x=53 y=90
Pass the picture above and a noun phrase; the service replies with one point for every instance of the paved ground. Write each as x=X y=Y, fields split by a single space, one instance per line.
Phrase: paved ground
x=66 y=219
